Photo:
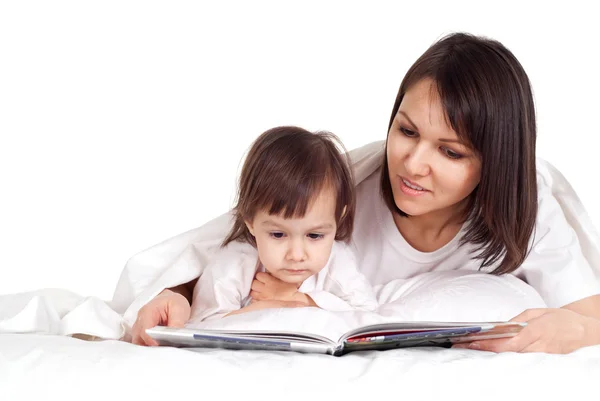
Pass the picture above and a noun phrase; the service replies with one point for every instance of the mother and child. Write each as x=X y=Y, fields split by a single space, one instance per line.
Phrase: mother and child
x=457 y=189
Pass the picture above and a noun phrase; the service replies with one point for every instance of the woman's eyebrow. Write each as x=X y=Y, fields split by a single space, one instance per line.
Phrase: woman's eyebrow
x=451 y=140
x=414 y=126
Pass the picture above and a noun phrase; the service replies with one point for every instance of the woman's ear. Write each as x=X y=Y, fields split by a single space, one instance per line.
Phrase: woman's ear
x=250 y=227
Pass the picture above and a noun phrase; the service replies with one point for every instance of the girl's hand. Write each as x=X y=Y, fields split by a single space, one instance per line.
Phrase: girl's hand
x=555 y=331
x=268 y=288
x=265 y=287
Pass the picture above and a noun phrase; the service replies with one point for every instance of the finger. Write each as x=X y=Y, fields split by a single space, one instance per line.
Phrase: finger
x=176 y=317
x=147 y=339
x=492 y=345
x=135 y=331
x=258 y=286
x=139 y=335
x=536 y=346
x=268 y=278
x=530 y=314
x=257 y=296
x=135 y=337
x=512 y=344
x=263 y=277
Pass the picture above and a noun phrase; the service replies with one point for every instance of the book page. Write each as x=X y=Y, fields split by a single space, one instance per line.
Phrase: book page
x=298 y=323
x=421 y=333
x=392 y=327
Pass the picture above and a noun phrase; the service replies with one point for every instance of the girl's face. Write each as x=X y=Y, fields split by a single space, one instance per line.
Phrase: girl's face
x=294 y=249
x=430 y=169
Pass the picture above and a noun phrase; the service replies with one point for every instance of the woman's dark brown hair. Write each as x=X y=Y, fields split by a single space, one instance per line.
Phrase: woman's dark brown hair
x=284 y=171
x=488 y=102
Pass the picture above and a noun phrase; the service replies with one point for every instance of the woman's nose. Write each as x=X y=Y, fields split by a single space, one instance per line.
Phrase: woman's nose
x=417 y=161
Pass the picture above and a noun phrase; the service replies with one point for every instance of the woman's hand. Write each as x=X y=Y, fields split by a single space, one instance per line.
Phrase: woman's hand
x=265 y=287
x=169 y=308
x=555 y=331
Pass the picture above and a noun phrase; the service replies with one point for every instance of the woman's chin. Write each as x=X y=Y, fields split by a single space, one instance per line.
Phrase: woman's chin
x=410 y=209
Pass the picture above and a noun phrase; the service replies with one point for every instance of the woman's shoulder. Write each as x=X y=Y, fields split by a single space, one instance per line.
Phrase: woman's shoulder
x=365 y=160
x=557 y=196
x=368 y=196
x=562 y=216
x=548 y=176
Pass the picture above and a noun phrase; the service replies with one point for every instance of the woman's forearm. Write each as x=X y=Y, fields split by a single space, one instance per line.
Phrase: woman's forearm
x=589 y=306
x=186 y=289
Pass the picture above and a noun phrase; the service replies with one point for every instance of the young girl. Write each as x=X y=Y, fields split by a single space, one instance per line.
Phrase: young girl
x=293 y=219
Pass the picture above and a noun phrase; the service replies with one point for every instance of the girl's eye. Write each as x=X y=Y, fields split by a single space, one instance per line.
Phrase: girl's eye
x=408 y=133
x=315 y=236
x=276 y=235
x=451 y=154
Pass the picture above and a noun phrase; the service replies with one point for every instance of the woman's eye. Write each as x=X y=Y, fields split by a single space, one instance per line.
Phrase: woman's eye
x=408 y=133
x=315 y=236
x=276 y=235
x=451 y=154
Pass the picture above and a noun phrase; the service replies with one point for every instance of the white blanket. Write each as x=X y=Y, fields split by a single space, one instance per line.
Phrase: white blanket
x=180 y=259
x=64 y=368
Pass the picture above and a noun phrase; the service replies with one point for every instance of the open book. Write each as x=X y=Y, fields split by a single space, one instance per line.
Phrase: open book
x=380 y=336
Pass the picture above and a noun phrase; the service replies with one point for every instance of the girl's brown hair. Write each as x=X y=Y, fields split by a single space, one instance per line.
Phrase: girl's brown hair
x=284 y=171
x=488 y=101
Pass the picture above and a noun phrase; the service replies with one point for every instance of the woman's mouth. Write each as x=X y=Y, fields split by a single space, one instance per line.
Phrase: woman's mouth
x=410 y=188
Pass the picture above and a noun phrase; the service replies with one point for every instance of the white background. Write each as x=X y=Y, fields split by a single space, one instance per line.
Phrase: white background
x=124 y=123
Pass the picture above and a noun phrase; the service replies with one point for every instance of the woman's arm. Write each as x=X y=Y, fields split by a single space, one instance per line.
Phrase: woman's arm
x=589 y=306
x=551 y=330
x=186 y=289
x=554 y=331
x=558 y=269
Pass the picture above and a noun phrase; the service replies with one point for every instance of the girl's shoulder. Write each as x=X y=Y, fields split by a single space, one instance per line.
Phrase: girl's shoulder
x=234 y=252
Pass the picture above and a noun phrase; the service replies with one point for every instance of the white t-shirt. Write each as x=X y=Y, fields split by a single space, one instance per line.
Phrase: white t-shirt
x=225 y=284
x=555 y=267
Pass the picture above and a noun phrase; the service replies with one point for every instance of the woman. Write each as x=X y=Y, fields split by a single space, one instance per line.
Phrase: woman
x=458 y=190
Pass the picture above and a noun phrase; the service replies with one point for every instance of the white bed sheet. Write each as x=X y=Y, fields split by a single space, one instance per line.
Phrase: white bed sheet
x=42 y=367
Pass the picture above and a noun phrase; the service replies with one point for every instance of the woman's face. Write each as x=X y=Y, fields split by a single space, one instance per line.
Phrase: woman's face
x=430 y=169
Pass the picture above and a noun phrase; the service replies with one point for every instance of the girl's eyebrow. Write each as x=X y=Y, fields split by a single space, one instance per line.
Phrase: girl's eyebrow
x=270 y=223
x=325 y=226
